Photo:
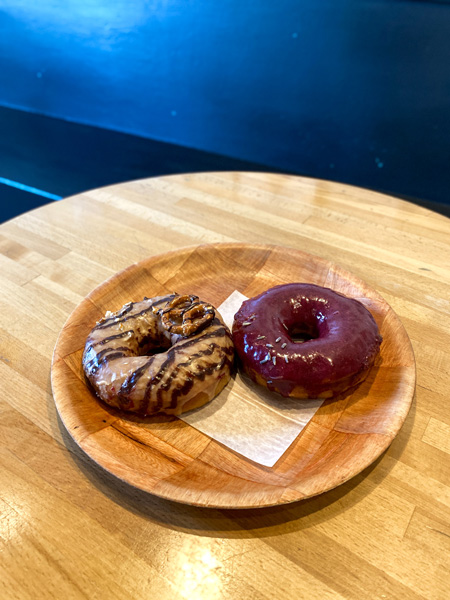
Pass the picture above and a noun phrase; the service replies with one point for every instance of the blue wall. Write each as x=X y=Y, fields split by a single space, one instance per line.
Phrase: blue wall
x=352 y=90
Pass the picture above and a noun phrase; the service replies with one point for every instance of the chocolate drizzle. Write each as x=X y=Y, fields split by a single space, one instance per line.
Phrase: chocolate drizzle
x=116 y=319
x=106 y=355
x=110 y=338
x=169 y=363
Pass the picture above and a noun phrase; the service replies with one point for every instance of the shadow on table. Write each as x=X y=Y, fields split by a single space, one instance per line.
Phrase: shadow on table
x=241 y=523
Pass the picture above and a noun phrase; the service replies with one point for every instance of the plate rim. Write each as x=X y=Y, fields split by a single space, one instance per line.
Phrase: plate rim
x=188 y=251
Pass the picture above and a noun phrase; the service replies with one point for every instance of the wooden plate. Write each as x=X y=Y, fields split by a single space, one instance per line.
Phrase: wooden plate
x=169 y=458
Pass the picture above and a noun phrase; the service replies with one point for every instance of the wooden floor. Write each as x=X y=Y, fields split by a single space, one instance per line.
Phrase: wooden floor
x=42 y=156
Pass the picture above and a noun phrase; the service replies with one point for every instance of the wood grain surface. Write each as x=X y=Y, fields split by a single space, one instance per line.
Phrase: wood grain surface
x=345 y=436
x=70 y=529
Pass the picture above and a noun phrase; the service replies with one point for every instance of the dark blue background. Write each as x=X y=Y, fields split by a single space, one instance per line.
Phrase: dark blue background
x=351 y=90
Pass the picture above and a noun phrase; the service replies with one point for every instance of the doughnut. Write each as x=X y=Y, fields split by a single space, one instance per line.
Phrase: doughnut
x=305 y=341
x=167 y=354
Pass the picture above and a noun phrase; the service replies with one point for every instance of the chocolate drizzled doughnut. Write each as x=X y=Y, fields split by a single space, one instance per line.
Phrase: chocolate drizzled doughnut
x=161 y=355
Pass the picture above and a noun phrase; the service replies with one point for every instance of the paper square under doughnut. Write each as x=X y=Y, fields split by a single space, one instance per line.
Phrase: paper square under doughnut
x=246 y=417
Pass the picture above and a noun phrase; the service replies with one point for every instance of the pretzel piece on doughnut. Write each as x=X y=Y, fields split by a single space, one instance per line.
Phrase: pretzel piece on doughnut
x=186 y=315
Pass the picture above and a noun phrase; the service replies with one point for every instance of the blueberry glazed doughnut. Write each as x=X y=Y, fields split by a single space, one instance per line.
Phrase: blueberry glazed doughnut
x=305 y=341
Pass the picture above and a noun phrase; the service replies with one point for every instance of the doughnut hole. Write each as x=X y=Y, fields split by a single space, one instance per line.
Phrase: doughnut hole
x=302 y=332
x=150 y=344
x=310 y=327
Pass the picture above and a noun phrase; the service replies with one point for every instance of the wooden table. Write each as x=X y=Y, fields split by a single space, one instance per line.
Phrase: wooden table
x=68 y=529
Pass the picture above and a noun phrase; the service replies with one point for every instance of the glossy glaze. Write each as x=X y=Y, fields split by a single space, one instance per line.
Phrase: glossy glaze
x=344 y=340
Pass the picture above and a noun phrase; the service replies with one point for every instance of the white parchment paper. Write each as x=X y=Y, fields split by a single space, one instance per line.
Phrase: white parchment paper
x=246 y=417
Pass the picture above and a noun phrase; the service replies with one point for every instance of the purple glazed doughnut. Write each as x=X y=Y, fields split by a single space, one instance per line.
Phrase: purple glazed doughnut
x=305 y=341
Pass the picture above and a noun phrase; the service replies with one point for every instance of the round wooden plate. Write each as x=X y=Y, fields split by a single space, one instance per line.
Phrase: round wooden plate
x=167 y=457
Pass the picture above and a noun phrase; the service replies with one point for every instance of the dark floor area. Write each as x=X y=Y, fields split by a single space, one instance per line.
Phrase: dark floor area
x=14 y=201
x=63 y=158
x=441 y=208
x=66 y=158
